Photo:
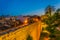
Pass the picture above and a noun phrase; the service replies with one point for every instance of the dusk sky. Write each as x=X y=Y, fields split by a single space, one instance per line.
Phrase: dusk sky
x=26 y=7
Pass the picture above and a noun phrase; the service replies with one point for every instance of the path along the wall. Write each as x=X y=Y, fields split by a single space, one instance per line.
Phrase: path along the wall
x=33 y=30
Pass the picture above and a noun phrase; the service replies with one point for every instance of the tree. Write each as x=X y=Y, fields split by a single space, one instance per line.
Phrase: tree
x=50 y=21
x=57 y=14
x=29 y=37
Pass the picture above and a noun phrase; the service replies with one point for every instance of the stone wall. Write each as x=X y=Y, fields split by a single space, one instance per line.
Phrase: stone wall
x=22 y=33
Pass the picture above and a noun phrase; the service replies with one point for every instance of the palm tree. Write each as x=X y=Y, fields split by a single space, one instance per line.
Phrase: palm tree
x=49 y=9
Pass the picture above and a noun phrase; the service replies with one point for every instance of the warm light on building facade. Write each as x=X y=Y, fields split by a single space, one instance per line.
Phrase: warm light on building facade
x=25 y=21
x=36 y=19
